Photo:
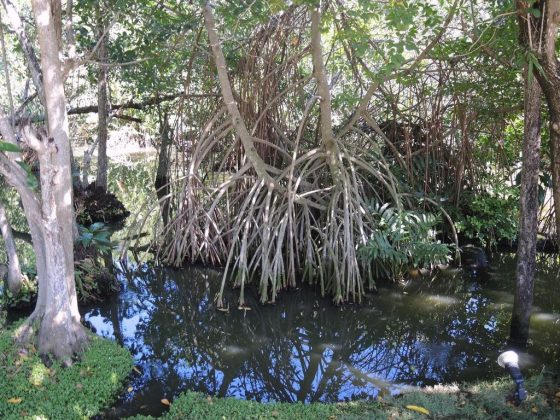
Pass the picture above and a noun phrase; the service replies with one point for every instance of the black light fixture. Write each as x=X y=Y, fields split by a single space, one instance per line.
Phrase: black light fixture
x=509 y=360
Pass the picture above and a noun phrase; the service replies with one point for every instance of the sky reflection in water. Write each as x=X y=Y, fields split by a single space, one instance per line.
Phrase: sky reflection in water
x=306 y=349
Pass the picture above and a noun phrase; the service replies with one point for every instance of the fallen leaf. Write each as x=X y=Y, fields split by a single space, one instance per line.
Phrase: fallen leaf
x=558 y=394
x=15 y=400
x=274 y=413
x=418 y=409
x=135 y=369
x=534 y=410
x=130 y=389
x=165 y=401
x=79 y=386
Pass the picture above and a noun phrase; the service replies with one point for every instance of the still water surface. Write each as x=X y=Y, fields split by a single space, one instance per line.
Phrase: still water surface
x=426 y=331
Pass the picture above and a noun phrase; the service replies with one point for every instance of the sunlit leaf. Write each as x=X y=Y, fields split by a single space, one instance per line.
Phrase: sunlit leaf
x=418 y=409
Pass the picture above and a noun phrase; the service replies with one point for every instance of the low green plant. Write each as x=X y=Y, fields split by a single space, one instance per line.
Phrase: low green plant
x=480 y=400
x=25 y=297
x=490 y=216
x=93 y=280
x=31 y=390
x=193 y=405
x=404 y=239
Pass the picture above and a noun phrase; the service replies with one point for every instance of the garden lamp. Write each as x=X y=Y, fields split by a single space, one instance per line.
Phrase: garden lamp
x=509 y=360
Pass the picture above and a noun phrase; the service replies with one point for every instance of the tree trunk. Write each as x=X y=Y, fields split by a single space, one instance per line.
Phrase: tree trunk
x=258 y=164
x=529 y=209
x=60 y=331
x=14 y=269
x=101 y=180
x=538 y=35
x=323 y=90
x=162 y=174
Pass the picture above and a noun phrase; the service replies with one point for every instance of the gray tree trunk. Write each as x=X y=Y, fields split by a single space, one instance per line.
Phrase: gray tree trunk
x=101 y=179
x=529 y=209
x=14 y=270
x=324 y=92
x=60 y=332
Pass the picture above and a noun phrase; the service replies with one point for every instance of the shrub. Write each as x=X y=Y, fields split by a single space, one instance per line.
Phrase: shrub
x=404 y=239
x=490 y=216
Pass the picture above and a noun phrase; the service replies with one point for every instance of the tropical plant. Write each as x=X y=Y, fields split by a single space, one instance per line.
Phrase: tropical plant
x=96 y=235
x=492 y=215
x=403 y=239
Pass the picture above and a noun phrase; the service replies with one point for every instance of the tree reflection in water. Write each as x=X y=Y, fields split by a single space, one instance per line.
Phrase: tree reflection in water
x=302 y=349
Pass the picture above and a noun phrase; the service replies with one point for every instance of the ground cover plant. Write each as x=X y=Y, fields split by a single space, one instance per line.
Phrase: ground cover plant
x=31 y=390
x=480 y=400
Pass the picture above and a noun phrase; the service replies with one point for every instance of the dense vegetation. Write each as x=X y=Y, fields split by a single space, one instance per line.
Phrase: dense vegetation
x=332 y=143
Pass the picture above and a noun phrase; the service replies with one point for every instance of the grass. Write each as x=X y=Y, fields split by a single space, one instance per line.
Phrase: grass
x=470 y=401
x=31 y=390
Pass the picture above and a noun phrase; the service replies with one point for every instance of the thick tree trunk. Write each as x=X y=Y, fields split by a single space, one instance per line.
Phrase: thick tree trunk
x=539 y=36
x=60 y=333
x=529 y=208
x=101 y=180
x=14 y=270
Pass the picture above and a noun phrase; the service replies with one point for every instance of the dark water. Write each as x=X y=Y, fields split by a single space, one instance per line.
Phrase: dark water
x=427 y=331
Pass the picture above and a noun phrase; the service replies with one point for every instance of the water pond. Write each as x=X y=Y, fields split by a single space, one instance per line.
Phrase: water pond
x=422 y=332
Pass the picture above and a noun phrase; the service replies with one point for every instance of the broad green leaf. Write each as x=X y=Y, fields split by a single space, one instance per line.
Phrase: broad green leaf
x=9 y=147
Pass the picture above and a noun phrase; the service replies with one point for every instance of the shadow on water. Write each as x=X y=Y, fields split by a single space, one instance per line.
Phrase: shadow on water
x=424 y=332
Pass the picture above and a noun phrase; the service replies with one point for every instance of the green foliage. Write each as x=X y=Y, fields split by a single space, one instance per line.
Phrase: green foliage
x=29 y=389
x=468 y=401
x=96 y=235
x=194 y=405
x=9 y=147
x=490 y=216
x=133 y=183
x=24 y=298
x=404 y=239
x=32 y=181
x=93 y=280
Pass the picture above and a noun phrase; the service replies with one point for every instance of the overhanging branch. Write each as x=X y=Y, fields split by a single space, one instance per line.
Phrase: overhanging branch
x=156 y=100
